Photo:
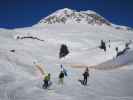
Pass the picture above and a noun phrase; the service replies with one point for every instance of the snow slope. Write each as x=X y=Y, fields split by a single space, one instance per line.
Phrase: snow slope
x=110 y=77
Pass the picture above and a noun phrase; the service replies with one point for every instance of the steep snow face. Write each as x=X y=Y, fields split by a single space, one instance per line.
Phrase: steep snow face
x=66 y=16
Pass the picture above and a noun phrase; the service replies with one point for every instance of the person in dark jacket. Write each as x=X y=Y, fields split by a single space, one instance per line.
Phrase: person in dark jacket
x=85 y=75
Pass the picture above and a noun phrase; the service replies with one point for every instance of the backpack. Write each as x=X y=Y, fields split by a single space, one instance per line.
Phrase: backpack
x=47 y=77
x=61 y=75
x=86 y=74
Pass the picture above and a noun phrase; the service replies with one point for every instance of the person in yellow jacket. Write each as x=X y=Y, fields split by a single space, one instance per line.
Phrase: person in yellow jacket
x=46 y=76
x=46 y=80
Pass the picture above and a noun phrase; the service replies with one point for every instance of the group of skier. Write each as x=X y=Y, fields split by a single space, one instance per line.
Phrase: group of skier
x=47 y=78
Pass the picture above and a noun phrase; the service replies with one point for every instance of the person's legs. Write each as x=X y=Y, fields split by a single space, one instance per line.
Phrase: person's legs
x=61 y=81
x=85 y=82
x=43 y=84
x=46 y=84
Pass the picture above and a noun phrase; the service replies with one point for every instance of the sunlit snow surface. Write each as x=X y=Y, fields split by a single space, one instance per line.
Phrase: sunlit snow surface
x=110 y=78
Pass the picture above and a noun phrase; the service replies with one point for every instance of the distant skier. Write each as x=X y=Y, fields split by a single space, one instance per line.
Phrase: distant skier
x=85 y=75
x=46 y=80
x=109 y=44
x=117 y=51
x=127 y=45
x=103 y=45
x=61 y=78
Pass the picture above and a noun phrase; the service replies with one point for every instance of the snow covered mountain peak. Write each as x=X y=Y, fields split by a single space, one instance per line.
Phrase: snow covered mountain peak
x=68 y=16
x=89 y=17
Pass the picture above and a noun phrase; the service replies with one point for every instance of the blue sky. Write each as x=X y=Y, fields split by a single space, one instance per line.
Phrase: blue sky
x=24 y=13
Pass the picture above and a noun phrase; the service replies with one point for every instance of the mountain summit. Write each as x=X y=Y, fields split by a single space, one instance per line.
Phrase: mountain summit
x=69 y=16
x=66 y=16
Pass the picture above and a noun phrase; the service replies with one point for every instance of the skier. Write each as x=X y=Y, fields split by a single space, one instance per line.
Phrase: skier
x=109 y=44
x=116 y=49
x=103 y=45
x=85 y=75
x=46 y=81
x=61 y=78
x=127 y=45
